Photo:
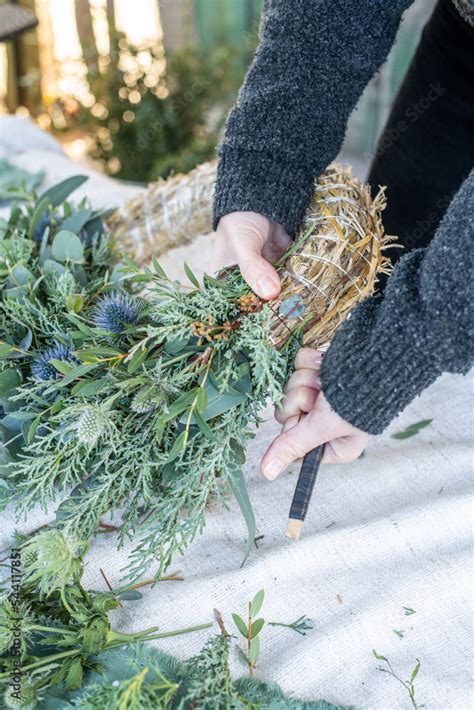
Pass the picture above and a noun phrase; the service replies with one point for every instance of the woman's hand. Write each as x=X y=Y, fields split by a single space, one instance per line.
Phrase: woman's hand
x=252 y=241
x=308 y=421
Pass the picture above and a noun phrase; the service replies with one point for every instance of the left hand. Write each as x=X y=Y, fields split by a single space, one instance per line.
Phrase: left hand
x=308 y=421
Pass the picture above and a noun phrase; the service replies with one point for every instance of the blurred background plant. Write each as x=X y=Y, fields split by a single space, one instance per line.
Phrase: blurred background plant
x=141 y=87
x=154 y=117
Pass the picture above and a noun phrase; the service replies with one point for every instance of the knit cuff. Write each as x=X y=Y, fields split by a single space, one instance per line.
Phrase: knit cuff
x=382 y=357
x=257 y=182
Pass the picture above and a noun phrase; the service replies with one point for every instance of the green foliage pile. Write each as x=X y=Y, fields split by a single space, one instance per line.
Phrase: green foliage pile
x=151 y=679
x=58 y=649
x=111 y=401
x=52 y=630
x=56 y=260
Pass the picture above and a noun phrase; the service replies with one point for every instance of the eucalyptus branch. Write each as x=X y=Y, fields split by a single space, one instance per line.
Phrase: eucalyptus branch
x=251 y=630
x=409 y=684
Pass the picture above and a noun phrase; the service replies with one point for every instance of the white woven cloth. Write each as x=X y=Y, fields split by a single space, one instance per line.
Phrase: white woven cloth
x=391 y=530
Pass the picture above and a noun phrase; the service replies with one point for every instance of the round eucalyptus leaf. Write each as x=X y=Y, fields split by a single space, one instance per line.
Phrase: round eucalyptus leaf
x=67 y=247
x=18 y=292
x=11 y=423
x=10 y=379
x=20 y=276
x=8 y=405
x=54 y=267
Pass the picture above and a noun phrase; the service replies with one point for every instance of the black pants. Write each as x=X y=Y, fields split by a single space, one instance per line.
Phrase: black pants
x=427 y=147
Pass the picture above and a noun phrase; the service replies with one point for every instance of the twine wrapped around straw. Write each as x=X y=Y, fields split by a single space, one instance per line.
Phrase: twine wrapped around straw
x=335 y=260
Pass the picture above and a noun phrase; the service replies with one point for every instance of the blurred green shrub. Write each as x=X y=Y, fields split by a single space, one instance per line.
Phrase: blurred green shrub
x=154 y=114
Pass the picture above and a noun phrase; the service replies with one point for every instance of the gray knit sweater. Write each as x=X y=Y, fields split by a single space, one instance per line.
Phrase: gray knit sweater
x=286 y=127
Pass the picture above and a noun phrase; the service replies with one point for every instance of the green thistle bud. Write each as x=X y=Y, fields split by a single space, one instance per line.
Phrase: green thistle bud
x=24 y=697
x=140 y=405
x=14 y=627
x=29 y=558
x=54 y=560
x=91 y=425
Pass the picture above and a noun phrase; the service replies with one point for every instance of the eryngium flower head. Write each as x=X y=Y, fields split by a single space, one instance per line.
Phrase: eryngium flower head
x=116 y=312
x=25 y=697
x=91 y=425
x=55 y=560
x=141 y=404
x=46 y=221
x=43 y=368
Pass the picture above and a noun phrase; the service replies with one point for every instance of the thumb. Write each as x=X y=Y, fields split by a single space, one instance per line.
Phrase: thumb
x=258 y=272
x=292 y=445
x=248 y=233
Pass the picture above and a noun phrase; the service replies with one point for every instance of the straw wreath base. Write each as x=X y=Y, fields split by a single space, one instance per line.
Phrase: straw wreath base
x=322 y=280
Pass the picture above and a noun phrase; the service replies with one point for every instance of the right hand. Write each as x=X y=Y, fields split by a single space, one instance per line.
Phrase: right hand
x=252 y=241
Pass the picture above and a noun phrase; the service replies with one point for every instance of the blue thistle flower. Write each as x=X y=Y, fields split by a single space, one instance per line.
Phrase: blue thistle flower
x=45 y=221
x=116 y=312
x=43 y=368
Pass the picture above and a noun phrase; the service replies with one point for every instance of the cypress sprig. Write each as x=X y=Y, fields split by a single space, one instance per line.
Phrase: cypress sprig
x=135 y=424
x=115 y=401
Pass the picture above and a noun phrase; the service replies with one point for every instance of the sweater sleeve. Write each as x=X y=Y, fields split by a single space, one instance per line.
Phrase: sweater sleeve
x=395 y=345
x=314 y=59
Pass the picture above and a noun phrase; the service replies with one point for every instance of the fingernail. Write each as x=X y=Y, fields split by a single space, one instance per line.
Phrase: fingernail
x=318 y=358
x=266 y=287
x=273 y=468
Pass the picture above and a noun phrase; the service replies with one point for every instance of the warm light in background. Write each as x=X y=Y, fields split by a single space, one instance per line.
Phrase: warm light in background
x=138 y=19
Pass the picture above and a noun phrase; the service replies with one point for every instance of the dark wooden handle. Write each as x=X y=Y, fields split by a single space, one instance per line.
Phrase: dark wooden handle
x=304 y=488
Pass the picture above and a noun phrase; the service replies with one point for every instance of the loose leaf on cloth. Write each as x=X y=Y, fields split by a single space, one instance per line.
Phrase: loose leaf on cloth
x=257 y=602
x=239 y=488
x=241 y=625
x=412 y=430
